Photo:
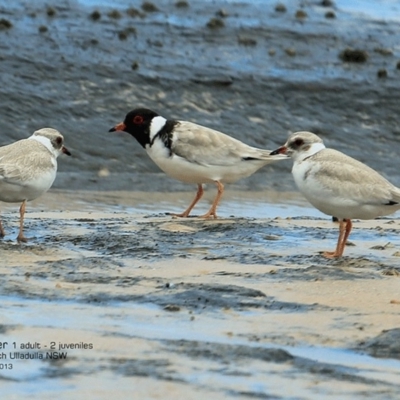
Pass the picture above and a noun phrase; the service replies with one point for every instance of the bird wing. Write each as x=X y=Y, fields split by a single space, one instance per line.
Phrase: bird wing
x=9 y=173
x=206 y=146
x=9 y=161
x=16 y=161
x=343 y=174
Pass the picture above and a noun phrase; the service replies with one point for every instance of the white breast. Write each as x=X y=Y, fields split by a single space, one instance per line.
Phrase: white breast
x=29 y=189
x=178 y=167
x=323 y=188
x=315 y=190
x=192 y=172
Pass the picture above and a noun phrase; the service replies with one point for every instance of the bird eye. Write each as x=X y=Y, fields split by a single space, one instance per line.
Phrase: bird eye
x=138 y=119
x=299 y=142
x=59 y=140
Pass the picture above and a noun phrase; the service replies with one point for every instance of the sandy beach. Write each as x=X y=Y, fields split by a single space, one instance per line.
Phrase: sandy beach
x=187 y=308
x=114 y=297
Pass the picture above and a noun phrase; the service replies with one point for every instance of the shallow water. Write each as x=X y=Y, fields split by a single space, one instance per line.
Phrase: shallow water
x=238 y=208
x=382 y=10
x=166 y=333
x=240 y=307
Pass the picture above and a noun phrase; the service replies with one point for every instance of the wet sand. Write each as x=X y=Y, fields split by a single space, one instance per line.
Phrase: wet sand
x=185 y=308
x=239 y=307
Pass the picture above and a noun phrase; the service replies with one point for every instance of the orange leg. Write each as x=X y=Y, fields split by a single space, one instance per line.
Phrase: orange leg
x=198 y=196
x=349 y=225
x=2 y=232
x=344 y=232
x=212 y=212
x=21 y=237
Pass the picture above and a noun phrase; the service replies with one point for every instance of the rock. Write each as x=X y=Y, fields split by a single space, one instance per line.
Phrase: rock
x=290 y=52
x=247 y=41
x=95 y=15
x=182 y=4
x=383 y=51
x=147 y=6
x=51 y=12
x=382 y=73
x=133 y=12
x=353 y=55
x=222 y=13
x=215 y=23
x=5 y=24
x=114 y=14
x=280 y=8
x=300 y=14
x=385 y=345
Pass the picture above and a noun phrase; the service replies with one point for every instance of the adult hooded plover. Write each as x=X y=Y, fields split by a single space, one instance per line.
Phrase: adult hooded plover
x=28 y=168
x=193 y=153
x=337 y=184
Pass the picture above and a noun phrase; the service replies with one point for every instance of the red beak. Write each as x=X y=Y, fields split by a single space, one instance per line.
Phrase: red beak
x=119 y=127
x=281 y=150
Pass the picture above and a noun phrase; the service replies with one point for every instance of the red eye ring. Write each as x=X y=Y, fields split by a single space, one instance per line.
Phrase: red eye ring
x=138 y=120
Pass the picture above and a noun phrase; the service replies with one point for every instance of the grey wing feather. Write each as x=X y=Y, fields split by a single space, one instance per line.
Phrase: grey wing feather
x=16 y=159
x=364 y=183
x=9 y=173
x=206 y=146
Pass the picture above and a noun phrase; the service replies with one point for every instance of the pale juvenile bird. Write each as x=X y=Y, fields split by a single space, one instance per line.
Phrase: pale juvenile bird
x=28 y=168
x=193 y=153
x=337 y=184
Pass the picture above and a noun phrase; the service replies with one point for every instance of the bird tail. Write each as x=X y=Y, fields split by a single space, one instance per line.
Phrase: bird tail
x=264 y=155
